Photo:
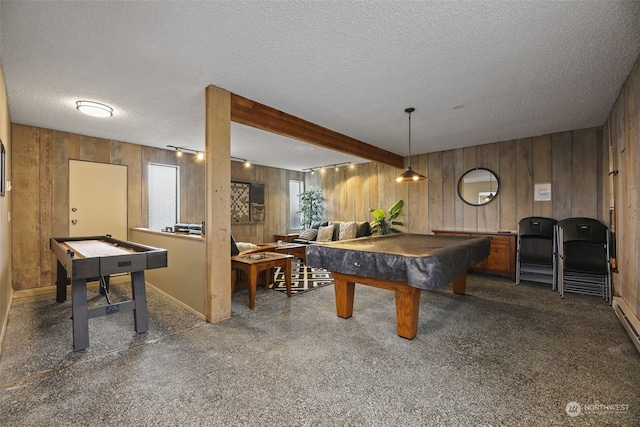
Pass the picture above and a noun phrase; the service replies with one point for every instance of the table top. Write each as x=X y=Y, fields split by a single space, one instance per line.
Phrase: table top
x=93 y=256
x=95 y=248
x=423 y=261
x=258 y=257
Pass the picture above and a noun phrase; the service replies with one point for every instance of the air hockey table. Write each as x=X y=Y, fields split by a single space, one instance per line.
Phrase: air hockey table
x=82 y=259
x=403 y=263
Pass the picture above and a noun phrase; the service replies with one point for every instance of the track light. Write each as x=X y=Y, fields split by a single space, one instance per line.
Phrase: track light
x=336 y=166
x=181 y=150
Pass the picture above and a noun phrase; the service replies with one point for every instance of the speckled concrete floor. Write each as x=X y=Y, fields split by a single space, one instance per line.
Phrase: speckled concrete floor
x=501 y=355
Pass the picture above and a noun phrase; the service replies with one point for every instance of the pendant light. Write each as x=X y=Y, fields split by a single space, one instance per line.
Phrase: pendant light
x=490 y=196
x=410 y=175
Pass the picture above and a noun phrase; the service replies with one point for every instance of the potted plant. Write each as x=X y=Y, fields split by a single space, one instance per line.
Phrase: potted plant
x=383 y=224
x=311 y=207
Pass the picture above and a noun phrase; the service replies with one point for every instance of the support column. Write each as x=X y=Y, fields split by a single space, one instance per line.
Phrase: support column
x=218 y=203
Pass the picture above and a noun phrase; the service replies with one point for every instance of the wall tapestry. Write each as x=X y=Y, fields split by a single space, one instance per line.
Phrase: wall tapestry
x=247 y=202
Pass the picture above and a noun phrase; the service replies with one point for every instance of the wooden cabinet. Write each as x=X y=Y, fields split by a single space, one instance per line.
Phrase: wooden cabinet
x=502 y=255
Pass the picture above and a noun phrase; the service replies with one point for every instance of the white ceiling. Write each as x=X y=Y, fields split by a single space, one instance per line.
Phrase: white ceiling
x=519 y=68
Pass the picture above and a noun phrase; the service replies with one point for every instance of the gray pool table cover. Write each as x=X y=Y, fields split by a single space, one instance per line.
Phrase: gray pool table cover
x=423 y=261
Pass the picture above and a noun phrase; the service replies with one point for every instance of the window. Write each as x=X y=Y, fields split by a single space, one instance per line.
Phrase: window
x=295 y=188
x=163 y=196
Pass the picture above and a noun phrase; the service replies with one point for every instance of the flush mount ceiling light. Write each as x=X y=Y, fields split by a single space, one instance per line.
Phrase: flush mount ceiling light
x=410 y=175
x=94 y=109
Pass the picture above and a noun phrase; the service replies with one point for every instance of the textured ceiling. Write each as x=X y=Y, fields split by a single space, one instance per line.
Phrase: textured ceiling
x=519 y=68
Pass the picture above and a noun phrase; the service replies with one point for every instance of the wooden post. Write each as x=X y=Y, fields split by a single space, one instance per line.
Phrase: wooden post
x=218 y=206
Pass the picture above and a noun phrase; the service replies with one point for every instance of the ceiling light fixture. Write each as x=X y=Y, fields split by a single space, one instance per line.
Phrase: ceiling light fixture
x=94 y=109
x=336 y=166
x=410 y=175
x=246 y=163
x=181 y=150
x=489 y=196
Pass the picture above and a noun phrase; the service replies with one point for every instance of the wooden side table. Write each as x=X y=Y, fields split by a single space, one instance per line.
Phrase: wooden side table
x=285 y=237
x=253 y=264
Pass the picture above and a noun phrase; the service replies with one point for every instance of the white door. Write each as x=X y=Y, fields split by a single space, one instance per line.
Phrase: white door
x=97 y=199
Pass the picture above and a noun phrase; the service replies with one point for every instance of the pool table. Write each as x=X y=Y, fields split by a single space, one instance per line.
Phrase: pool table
x=404 y=263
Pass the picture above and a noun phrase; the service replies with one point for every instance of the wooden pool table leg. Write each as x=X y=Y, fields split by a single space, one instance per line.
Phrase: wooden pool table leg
x=287 y=275
x=460 y=284
x=344 y=290
x=407 y=311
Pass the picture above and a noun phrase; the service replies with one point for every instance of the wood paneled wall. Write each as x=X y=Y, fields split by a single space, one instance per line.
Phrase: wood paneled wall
x=575 y=163
x=622 y=134
x=40 y=193
x=276 y=190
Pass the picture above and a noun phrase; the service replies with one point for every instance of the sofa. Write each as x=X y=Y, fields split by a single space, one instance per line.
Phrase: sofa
x=331 y=231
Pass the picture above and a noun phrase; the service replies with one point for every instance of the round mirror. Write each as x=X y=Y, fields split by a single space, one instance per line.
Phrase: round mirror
x=478 y=187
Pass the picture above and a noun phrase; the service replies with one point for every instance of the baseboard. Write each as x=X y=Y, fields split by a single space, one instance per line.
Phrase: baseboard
x=47 y=290
x=180 y=303
x=629 y=321
x=5 y=320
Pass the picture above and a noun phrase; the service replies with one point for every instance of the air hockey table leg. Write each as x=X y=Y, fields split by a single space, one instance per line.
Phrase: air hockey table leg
x=80 y=314
x=140 y=316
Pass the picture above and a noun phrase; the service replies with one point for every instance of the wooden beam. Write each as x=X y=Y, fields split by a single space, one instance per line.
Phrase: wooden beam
x=260 y=116
x=218 y=204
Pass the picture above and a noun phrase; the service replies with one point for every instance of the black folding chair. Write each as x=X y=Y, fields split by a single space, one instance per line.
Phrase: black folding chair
x=583 y=257
x=535 y=256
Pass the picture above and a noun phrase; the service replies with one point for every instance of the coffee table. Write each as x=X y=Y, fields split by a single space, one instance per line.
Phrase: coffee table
x=252 y=264
x=296 y=249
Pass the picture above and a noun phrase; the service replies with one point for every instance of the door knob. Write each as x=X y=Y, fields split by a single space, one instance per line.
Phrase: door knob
x=74 y=209
x=74 y=221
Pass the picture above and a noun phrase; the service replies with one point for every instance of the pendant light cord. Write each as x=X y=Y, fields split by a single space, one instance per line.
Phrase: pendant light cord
x=409 y=111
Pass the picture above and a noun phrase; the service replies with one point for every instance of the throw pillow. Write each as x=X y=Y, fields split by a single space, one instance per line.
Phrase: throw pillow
x=309 y=234
x=325 y=234
x=243 y=246
x=234 y=247
x=347 y=230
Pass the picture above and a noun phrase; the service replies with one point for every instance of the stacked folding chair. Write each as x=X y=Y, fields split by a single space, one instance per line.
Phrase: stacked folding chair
x=583 y=257
x=535 y=255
